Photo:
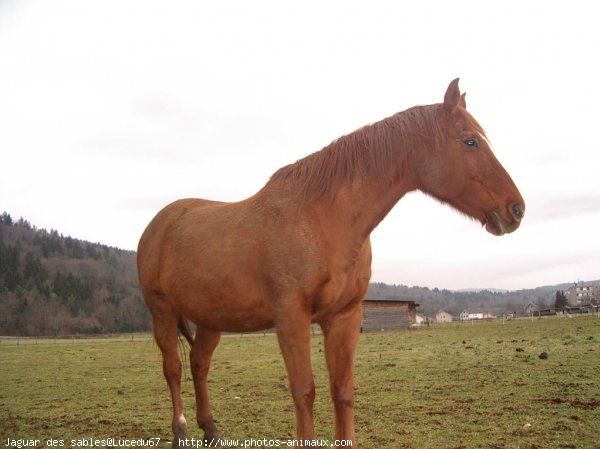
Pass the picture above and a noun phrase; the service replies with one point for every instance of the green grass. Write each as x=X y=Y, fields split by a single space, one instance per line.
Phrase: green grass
x=478 y=385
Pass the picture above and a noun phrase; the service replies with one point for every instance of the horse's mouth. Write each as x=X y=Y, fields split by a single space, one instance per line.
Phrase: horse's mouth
x=496 y=225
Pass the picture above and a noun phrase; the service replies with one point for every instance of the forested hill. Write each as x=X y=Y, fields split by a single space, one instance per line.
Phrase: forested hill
x=56 y=285
x=432 y=300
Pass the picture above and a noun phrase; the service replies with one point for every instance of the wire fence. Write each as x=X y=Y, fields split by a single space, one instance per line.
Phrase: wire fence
x=315 y=330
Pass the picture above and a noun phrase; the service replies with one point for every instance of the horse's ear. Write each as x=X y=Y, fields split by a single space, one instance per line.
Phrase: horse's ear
x=463 y=101
x=452 y=98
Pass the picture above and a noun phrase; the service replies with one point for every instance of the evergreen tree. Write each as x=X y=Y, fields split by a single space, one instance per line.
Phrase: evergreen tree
x=34 y=270
x=561 y=300
x=6 y=219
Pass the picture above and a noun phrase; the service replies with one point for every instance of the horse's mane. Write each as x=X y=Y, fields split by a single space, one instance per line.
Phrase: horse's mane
x=368 y=152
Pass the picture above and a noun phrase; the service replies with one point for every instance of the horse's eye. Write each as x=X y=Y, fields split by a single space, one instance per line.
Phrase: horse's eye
x=473 y=143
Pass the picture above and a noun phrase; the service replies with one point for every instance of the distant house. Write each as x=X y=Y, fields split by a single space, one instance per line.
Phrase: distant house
x=420 y=320
x=443 y=317
x=531 y=309
x=388 y=314
x=472 y=314
x=536 y=310
x=583 y=294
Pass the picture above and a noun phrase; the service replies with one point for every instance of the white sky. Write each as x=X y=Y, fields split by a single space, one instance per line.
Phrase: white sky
x=111 y=109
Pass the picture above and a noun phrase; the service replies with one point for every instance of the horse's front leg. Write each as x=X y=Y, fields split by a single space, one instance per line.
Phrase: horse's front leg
x=292 y=324
x=341 y=337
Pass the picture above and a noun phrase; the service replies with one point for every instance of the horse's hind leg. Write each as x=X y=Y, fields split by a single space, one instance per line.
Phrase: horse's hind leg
x=205 y=343
x=166 y=336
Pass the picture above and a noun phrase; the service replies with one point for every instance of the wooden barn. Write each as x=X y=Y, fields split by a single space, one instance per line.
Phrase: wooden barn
x=388 y=314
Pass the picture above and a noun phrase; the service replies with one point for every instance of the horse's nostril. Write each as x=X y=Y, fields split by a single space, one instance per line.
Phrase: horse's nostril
x=517 y=211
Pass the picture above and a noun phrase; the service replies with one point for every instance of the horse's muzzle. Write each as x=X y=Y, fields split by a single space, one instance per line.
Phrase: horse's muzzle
x=498 y=226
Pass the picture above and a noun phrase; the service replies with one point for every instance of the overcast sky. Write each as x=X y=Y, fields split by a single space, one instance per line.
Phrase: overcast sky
x=109 y=110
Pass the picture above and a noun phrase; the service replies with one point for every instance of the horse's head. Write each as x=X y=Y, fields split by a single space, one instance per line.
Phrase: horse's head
x=463 y=171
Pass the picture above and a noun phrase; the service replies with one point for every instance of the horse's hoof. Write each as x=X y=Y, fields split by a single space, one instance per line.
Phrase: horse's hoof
x=213 y=439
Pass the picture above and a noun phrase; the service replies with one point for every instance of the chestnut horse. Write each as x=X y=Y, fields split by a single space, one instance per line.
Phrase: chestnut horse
x=298 y=251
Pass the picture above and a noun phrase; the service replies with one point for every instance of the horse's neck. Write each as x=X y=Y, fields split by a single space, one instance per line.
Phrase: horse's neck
x=368 y=172
x=359 y=207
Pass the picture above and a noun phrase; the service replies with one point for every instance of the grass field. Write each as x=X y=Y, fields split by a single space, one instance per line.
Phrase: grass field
x=479 y=385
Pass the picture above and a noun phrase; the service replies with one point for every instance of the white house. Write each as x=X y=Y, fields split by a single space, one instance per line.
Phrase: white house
x=471 y=314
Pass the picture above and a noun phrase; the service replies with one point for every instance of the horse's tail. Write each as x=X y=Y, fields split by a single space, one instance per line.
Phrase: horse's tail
x=184 y=328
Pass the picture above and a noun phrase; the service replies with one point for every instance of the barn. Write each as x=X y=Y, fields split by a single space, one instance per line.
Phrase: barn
x=388 y=314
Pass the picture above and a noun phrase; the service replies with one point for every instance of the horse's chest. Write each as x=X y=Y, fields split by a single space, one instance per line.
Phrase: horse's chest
x=337 y=295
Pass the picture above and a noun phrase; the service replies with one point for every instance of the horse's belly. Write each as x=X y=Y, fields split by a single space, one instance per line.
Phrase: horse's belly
x=228 y=314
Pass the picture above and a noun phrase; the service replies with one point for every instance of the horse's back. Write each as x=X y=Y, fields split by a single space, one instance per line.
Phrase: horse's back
x=150 y=247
